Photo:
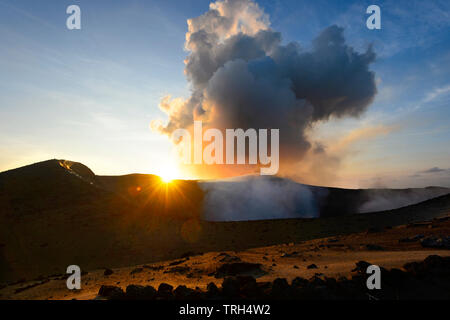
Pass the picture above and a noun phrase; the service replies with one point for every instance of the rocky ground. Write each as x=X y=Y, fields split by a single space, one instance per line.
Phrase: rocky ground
x=414 y=258
x=428 y=279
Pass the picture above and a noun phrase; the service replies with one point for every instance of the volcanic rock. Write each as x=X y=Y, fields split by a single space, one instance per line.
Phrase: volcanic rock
x=184 y=293
x=165 y=292
x=137 y=292
x=111 y=292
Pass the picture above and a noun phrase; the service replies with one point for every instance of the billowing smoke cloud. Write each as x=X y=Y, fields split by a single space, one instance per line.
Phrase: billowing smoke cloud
x=258 y=198
x=242 y=76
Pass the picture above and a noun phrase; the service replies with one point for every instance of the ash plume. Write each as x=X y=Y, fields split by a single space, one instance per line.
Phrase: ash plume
x=243 y=76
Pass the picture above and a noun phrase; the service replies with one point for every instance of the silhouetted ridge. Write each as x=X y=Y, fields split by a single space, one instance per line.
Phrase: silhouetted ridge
x=47 y=185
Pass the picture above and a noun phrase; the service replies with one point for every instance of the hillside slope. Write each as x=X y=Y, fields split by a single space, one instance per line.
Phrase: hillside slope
x=54 y=214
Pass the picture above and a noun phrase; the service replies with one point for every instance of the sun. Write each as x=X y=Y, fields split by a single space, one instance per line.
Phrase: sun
x=166 y=178
x=168 y=174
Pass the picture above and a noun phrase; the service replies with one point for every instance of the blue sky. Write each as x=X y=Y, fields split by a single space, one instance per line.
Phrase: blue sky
x=89 y=95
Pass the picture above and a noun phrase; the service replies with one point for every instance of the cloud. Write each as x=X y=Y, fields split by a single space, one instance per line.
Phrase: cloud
x=436 y=93
x=242 y=76
x=364 y=133
x=321 y=164
x=433 y=170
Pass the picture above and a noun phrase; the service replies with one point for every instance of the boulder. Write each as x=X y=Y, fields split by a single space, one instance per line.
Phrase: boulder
x=111 y=292
x=280 y=289
x=361 y=267
x=184 y=293
x=230 y=287
x=212 y=290
x=137 y=292
x=165 y=292
x=299 y=282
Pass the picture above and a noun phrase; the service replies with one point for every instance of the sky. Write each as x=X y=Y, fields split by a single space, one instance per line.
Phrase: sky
x=89 y=95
